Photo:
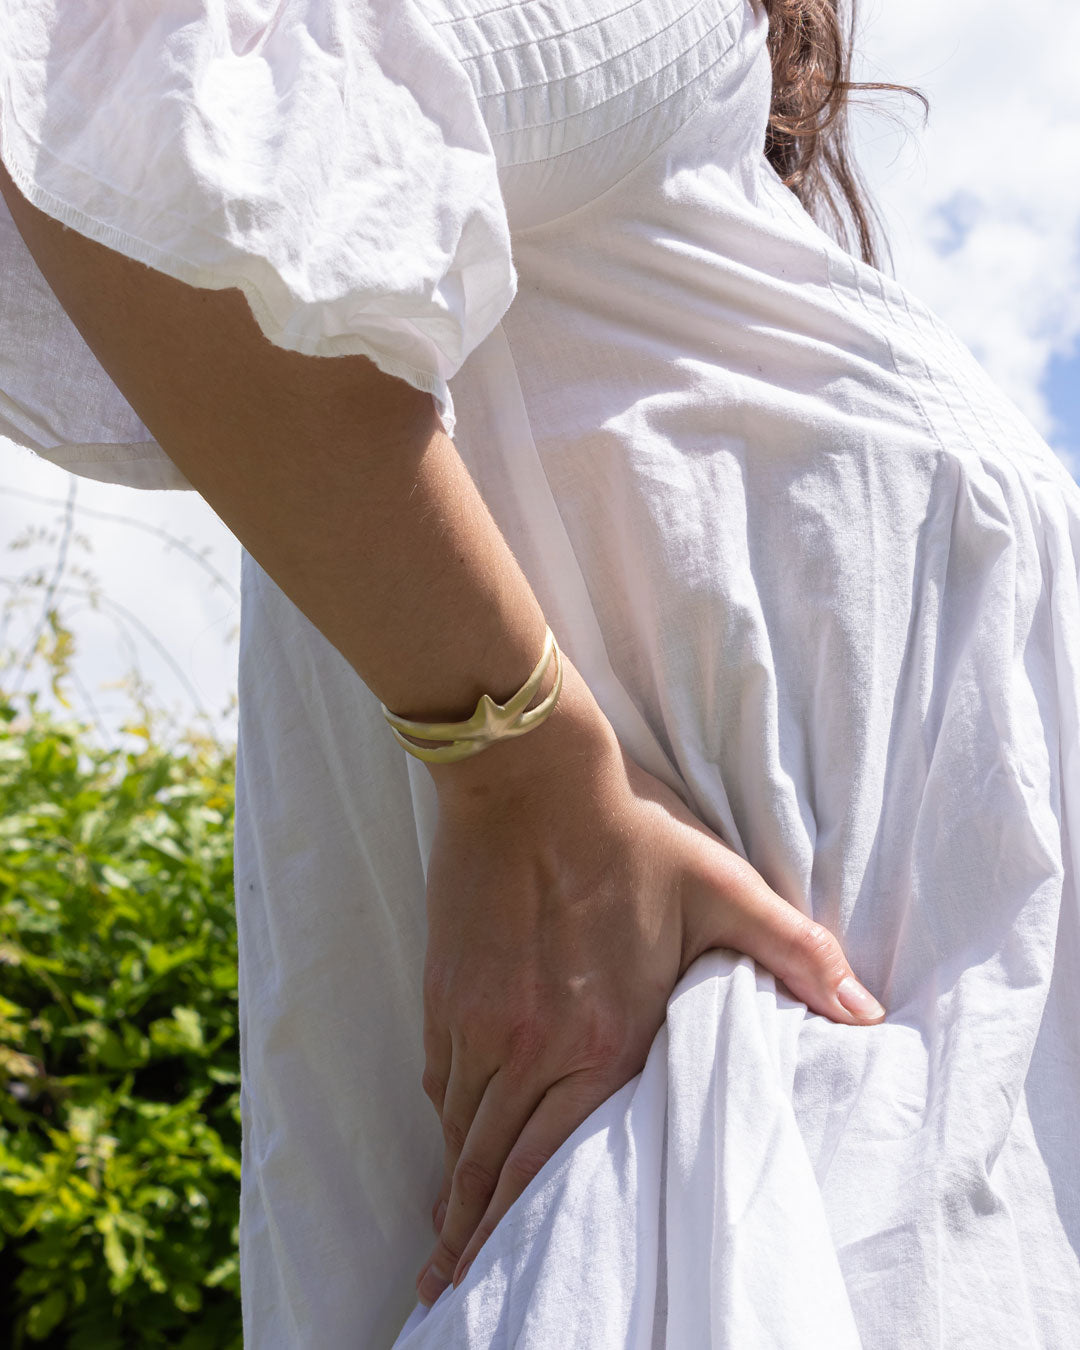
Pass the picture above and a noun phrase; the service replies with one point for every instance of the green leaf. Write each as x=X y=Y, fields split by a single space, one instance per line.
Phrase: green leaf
x=190 y=1024
x=224 y=1270
x=119 y=1168
x=115 y=1255
x=94 y=1004
x=162 y=958
x=187 y=1297
x=115 y=878
x=44 y=1316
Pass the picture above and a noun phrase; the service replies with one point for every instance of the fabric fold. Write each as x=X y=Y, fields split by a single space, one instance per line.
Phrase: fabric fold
x=330 y=161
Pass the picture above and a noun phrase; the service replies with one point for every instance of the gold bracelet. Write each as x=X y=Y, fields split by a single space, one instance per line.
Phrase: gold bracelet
x=490 y=722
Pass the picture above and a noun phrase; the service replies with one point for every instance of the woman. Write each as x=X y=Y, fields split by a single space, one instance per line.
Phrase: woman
x=812 y=712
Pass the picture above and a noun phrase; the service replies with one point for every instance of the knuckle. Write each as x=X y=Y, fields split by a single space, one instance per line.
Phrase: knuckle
x=524 y=1162
x=434 y=1087
x=811 y=944
x=453 y=1134
x=473 y=1024
x=603 y=1042
x=446 y=1255
x=526 y=1040
x=474 y=1181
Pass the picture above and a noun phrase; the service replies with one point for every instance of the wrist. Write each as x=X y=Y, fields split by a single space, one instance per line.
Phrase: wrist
x=575 y=728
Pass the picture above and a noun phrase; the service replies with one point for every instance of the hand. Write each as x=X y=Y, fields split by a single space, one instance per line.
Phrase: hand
x=562 y=911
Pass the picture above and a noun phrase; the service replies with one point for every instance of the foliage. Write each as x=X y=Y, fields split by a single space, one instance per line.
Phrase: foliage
x=119 y=1097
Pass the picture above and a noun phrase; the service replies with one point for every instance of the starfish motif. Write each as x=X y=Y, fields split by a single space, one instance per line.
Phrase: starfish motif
x=494 y=720
x=490 y=722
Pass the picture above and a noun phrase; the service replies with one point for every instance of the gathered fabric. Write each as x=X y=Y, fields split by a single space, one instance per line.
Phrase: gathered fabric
x=819 y=572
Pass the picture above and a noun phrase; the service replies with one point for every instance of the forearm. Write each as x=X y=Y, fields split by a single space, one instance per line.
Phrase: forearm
x=397 y=560
x=392 y=553
x=341 y=483
x=394 y=556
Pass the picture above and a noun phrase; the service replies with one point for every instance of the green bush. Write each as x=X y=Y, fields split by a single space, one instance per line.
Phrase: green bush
x=119 y=1096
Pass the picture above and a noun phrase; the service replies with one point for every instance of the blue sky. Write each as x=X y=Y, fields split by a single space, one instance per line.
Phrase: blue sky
x=1062 y=389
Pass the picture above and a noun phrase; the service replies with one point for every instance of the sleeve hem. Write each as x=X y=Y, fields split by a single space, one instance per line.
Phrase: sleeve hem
x=136 y=465
x=345 y=344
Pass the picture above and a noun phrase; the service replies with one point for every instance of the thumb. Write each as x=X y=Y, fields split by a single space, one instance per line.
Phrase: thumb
x=731 y=905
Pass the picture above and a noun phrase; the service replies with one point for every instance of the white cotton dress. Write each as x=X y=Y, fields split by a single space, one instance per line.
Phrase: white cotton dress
x=819 y=573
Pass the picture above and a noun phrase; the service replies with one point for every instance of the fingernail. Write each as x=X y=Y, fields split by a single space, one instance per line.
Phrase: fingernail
x=857 y=1000
x=459 y=1278
x=440 y=1214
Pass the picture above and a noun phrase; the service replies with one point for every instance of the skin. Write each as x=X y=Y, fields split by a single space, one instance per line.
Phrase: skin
x=568 y=889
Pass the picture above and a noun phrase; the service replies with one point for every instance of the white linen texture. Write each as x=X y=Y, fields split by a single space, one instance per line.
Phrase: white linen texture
x=819 y=572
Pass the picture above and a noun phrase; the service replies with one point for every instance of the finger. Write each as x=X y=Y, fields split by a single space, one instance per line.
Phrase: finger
x=735 y=907
x=496 y=1126
x=564 y=1106
x=464 y=1092
x=437 y=1059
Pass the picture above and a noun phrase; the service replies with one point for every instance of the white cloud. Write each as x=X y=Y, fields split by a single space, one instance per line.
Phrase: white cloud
x=983 y=206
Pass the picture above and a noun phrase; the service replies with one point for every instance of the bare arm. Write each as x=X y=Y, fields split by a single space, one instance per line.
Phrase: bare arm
x=558 y=921
x=336 y=477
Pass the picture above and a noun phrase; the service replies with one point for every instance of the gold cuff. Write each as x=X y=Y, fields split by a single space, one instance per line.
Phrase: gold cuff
x=489 y=723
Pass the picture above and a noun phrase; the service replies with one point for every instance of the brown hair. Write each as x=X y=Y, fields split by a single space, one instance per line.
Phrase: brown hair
x=807 y=138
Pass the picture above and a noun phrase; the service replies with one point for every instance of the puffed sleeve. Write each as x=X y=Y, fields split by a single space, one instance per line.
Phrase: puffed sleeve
x=327 y=157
